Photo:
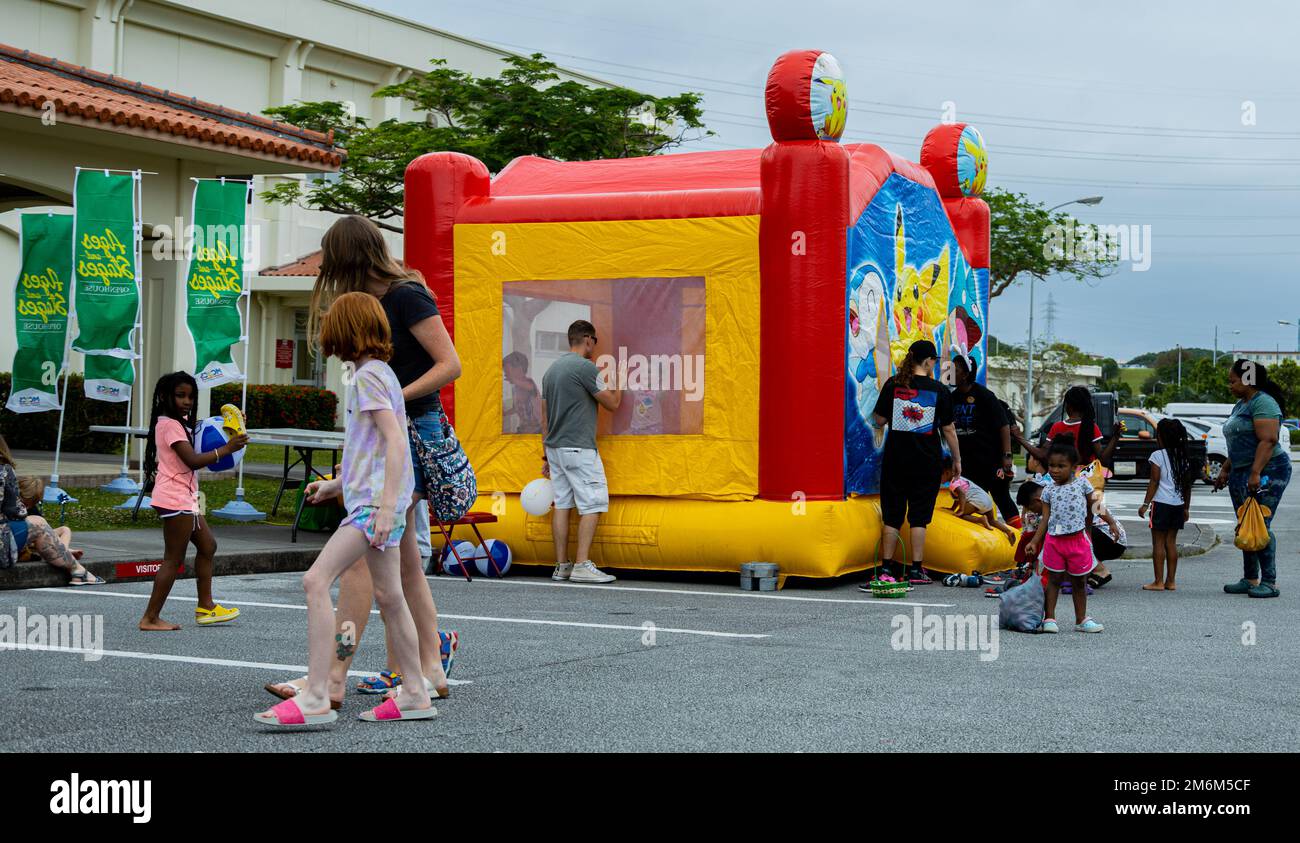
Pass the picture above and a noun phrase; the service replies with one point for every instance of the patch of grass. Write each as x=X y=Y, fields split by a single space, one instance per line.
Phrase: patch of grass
x=1135 y=377
x=95 y=510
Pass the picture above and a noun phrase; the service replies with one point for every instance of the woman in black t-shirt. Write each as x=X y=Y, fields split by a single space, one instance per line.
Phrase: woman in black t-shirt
x=917 y=408
x=355 y=258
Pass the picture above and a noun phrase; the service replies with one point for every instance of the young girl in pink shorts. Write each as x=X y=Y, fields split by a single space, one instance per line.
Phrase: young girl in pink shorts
x=1067 y=504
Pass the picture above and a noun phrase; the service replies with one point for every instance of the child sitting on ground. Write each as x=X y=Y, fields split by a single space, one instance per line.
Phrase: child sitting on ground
x=972 y=503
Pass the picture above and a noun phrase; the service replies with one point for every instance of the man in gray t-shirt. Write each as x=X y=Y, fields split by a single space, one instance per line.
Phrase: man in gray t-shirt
x=571 y=394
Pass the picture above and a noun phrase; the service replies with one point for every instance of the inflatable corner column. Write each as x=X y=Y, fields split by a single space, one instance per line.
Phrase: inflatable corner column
x=437 y=185
x=802 y=253
x=955 y=156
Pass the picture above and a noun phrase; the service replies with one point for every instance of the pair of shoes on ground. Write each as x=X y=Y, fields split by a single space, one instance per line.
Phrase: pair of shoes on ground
x=582 y=572
x=289 y=714
x=1243 y=586
x=1085 y=625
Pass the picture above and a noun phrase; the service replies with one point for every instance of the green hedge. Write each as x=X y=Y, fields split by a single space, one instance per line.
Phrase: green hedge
x=306 y=407
x=38 y=431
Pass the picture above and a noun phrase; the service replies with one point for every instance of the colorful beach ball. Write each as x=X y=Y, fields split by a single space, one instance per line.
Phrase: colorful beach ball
x=492 y=558
x=449 y=563
x=210 y=436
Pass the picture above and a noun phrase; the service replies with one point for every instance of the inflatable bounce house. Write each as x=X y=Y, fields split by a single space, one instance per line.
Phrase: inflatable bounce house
x=749 y=303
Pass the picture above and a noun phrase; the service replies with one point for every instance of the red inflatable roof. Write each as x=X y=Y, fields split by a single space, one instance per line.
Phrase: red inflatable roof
x=533 y=176
x=689 y=184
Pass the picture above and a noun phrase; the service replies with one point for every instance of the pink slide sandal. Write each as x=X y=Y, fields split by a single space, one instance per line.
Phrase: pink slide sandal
x=388 y=711
x=288 y=713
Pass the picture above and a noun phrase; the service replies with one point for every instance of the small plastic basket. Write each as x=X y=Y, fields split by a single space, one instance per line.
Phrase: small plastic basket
x=886 y=589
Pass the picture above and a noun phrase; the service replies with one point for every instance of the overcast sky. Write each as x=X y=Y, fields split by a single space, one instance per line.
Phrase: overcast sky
x=1141 y=103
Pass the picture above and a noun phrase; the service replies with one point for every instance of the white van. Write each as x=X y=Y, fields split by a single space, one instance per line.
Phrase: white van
x=1186 y=410
x=1216 y=413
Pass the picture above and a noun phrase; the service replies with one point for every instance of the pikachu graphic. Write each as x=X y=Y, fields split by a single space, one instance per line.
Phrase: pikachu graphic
x=920 y=295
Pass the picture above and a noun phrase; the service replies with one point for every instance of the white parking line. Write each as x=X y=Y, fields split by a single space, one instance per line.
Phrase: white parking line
x=294 y=669
x=862 y=601
x=535 y=621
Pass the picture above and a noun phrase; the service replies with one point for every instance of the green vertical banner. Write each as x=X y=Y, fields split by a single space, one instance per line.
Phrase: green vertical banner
x=41 y=296
x=107 y=278
x=215 y=281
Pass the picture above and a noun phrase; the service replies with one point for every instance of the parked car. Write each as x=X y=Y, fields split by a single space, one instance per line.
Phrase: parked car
x=1216 y=446
x=1137 y=441
x=1198 y=410
x=1218 y=414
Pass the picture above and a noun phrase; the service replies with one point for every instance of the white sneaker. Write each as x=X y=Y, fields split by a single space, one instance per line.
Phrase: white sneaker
x=587 y=572
x=562 y=571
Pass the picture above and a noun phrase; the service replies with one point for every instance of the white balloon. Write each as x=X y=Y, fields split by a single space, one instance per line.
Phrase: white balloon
x=537 y=496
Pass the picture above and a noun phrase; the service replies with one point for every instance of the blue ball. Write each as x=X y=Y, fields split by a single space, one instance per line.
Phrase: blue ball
x=492 y=558
x=449 y=563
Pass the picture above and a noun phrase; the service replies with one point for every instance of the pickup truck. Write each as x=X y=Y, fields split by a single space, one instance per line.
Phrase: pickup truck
x=1136 y=443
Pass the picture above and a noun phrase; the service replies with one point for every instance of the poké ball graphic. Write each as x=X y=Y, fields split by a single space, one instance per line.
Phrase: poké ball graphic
x=828 y=98
x=956 y=157
x=806 y=97
x=972 y=162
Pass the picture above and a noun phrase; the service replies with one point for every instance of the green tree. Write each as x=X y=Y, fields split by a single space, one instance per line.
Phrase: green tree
x=1287 y=375
x=526 y=110
x=1025 y=236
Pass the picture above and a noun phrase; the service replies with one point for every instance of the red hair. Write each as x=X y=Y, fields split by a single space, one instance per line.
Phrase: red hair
x=356 y=326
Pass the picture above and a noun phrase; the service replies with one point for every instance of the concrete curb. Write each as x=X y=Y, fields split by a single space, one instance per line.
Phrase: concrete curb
x=40 y=575
x=1195 y=539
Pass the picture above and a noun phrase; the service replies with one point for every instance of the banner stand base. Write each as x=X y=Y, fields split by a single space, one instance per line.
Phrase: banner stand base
x=129 y=503
x=53 y=494
x=239 y=509
x=121 y=485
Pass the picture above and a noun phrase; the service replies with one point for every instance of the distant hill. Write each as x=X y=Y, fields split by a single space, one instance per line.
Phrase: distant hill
x=1154 y=358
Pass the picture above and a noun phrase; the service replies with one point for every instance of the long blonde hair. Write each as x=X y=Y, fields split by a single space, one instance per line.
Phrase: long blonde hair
x=353 y=253
x=6 y=458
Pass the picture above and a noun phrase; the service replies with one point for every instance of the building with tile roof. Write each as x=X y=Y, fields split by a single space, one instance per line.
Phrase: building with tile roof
x=177 y=88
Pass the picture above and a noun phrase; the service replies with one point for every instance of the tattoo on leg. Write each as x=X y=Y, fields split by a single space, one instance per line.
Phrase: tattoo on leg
x=47 y=546
x=345 y=647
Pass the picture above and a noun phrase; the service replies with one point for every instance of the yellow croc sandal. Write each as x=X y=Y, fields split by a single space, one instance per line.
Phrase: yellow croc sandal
x=217 y=614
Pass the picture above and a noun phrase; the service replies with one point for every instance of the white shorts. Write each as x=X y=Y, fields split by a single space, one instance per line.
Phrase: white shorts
x=578 y=476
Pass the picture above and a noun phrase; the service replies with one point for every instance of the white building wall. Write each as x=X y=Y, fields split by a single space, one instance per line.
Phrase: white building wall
x=246 y=55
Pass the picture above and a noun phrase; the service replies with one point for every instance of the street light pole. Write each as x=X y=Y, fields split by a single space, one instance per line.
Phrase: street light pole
x=1029 y=375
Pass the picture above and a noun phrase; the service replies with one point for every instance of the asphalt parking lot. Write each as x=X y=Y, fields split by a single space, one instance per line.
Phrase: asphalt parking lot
x=660 y=663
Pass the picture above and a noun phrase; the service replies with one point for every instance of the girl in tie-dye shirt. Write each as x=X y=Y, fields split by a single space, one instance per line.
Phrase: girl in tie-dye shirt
x=376 y=483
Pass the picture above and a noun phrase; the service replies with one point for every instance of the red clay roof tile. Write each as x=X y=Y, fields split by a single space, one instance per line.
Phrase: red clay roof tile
x=30 y=80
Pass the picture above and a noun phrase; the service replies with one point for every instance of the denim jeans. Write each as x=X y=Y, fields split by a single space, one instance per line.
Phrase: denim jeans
x=1262 y=564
